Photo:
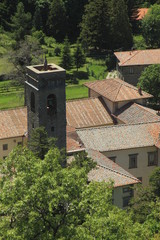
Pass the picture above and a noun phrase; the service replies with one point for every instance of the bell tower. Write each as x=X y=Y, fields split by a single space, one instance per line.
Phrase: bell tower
x=46 y=100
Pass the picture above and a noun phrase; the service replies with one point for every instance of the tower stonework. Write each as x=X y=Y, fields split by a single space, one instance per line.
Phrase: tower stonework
x=46 y=101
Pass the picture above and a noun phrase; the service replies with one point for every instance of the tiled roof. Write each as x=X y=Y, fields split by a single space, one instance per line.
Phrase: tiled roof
x=87 y=113
x=116 y=90
x=107 y=170
x=138 y=57
x=73 y=145
x=13 y=122
x=138 y=14
x=134 y=113
x=120 y=136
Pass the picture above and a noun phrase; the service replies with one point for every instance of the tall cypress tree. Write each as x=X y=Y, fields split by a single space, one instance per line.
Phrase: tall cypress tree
x=120 y=29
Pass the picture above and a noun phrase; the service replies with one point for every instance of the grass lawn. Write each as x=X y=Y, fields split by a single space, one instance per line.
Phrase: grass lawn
x=94 y=69
x=11 y=100
x=5 y=66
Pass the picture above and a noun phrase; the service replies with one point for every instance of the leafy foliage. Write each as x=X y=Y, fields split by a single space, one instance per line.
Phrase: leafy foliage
x=42 y=200
x=105 y=25
x=39 y=143
x=150 y=26
x=149 y=81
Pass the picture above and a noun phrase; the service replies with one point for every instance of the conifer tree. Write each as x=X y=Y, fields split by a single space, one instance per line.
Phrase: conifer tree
x=21 y=22
x=66 y=59
x=79 y=56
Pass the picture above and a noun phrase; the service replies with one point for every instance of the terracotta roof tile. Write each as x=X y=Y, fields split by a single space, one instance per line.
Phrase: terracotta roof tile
x=87 y=113
x=138 y=57
x=138 y=14
x=120 y=136
x=134 y=113
x=13 y=122
x=116 y=90
x=108 y=170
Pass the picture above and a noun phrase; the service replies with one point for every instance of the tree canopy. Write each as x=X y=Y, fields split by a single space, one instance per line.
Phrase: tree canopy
x=42 y=200
x=150 y=27
x=149 y=81
x=105 y=25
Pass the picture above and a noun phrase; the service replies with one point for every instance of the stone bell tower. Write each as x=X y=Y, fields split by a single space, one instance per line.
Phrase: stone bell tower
x=46 y=100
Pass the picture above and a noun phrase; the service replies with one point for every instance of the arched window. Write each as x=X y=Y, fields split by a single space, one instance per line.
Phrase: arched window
x=51 y=104
x=32 y=102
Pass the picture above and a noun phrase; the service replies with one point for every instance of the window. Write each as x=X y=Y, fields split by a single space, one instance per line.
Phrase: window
x=128 y=190
x=126 y=201
x=52 y=129
x=133 y=160
x=4 y=157
x=32 y=102
x=19 y=143
x=152 y=158
x=131 y=71
x=5 y=147
x=113 y=158
x=51 y=104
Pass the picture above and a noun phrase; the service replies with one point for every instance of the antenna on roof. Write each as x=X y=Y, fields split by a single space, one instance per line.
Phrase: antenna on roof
x=45 y=64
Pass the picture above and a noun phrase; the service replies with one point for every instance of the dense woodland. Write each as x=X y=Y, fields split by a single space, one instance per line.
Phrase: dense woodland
x=99 y=23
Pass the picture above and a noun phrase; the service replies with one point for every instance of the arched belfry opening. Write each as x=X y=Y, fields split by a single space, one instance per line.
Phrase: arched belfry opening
x=51 y=104
x=32 y=102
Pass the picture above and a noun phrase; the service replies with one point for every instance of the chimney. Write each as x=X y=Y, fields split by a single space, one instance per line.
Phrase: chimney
x=140 y=90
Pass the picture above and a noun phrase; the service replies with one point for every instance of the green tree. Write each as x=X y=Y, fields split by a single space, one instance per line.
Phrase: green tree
x=26 y=53
x=40 y=143
x=37 y=19
x=83 y=161
x=41 y=200
x=150 y=27
x=120 y=29
x=57 y=20
x=95 y=24
x=79 y=56
x=149 y=81
x=66 y=58
x=21 y=22
x=154 y=181
x=105 y=25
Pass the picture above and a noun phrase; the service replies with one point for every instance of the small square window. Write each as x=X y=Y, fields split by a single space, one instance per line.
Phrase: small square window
x=133 y=160
x=19 y=143
x=52 y=129
x=113 y=158
x=152 y=158
x=5 y=147
x=4 y=157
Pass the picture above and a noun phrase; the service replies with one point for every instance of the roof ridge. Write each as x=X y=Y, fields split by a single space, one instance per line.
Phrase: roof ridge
x=80 y=99
x=118 y=126
x=126 y=175
x=131 y=56
x=146 y=108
